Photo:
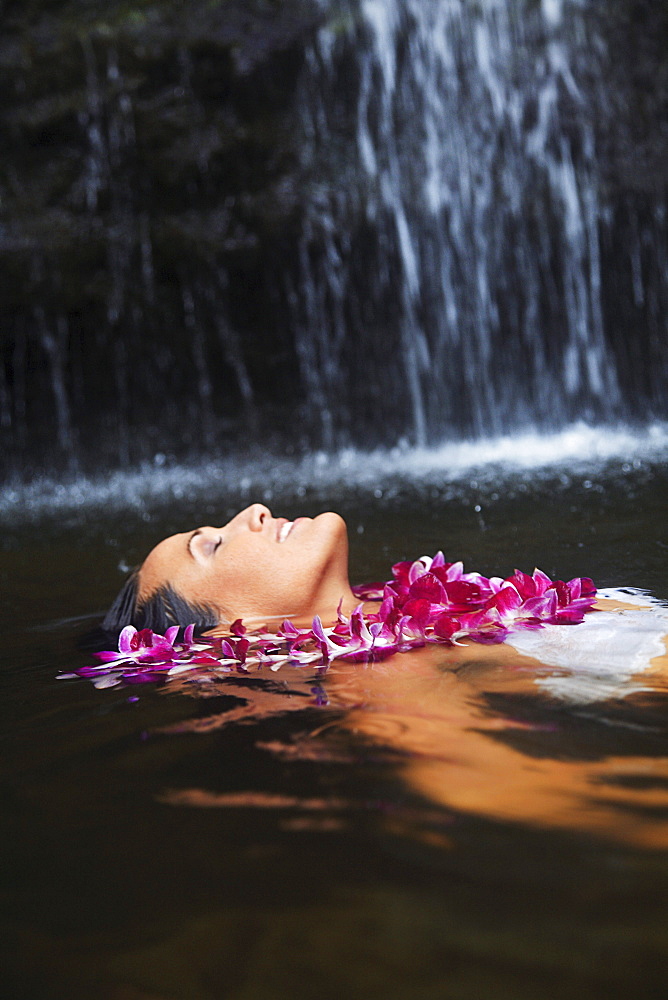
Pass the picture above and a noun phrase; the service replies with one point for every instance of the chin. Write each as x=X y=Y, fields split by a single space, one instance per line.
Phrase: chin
x=337 y=554
x=334 y=522
x=336 y=530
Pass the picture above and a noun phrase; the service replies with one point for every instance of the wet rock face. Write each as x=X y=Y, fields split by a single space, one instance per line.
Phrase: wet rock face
x=240 y=218
x=151 y=163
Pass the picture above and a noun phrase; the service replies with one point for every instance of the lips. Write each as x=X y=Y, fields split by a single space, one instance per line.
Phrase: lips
x=284 y=530
x=285 y=527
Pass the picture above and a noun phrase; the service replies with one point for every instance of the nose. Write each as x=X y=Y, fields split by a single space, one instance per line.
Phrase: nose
x=249 y=519
x=256 y=515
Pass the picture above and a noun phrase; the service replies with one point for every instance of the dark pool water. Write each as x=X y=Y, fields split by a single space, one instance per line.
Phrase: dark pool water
x=256 y=843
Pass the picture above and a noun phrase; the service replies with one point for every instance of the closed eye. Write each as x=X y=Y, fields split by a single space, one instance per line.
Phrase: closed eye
x=201 y=546
x=208 y=546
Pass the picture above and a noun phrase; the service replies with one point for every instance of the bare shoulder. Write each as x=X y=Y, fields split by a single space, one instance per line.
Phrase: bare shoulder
x=610 y=604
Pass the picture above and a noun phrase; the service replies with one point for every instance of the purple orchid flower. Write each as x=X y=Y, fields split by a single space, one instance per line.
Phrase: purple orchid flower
x=427 y=601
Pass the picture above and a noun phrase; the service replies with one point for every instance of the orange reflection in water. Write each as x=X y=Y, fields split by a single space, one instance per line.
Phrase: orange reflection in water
x=433 y=705
x=433 y=708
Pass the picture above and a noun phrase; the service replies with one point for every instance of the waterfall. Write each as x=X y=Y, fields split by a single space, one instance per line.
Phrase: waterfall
x=464 y=139
x=342 y=222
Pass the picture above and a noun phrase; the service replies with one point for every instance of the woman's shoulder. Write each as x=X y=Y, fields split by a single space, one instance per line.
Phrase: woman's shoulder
x=626 y=599
x=624 y=635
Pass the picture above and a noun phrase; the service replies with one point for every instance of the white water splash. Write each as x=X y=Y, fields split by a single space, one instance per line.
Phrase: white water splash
x=577 y=449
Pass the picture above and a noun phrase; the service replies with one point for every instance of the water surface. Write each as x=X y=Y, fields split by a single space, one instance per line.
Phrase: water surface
x=294 y=835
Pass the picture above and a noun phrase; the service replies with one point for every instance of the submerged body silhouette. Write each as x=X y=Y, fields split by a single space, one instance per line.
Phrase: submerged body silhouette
x=464 y=725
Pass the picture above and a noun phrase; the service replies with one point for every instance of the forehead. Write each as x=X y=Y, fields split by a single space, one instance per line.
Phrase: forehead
x=164 y=563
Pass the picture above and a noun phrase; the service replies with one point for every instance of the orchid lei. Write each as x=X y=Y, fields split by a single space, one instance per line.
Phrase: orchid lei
x=426 y=601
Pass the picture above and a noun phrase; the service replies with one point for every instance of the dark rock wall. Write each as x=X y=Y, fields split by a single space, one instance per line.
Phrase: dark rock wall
x=149 y=170
x=633 y=142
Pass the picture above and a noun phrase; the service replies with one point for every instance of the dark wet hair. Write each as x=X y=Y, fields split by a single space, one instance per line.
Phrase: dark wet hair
x=163 y=608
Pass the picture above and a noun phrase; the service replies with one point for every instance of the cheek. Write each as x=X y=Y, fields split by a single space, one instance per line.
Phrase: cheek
x=255 y=576
x=272 y=586
x=245 y=579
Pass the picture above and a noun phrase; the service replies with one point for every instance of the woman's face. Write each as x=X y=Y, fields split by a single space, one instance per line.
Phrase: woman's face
x=256 y=567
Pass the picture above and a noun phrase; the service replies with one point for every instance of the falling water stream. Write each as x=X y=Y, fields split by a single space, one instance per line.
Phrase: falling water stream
x=473 y=162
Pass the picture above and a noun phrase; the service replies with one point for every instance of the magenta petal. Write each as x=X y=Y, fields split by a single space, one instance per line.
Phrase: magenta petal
x=542 y=608
x=319 y=633
x=125 y=639
x=373 y=655
x=143 y=677
x=160 y=645
x=318 y=630
x=427 y=587
x=568 y=616
x=524 y=584
x=418 y=612
x=368 y=591
x=242 y=647
x=507 y=600
x=288 y=629
x=238 y=628
x=188 y=633
x=563 y=592
x=90 y=671
x=204 y=660
x=416 y=570
x=454 y=571
x=107 y=656
x=490 y=636
x=542 y=581
x=445 y=626
x=462 y=595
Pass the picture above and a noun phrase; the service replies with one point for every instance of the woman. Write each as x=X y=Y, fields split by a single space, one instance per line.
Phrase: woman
x=431 y=705
x=256 y=567
x=262 y=570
